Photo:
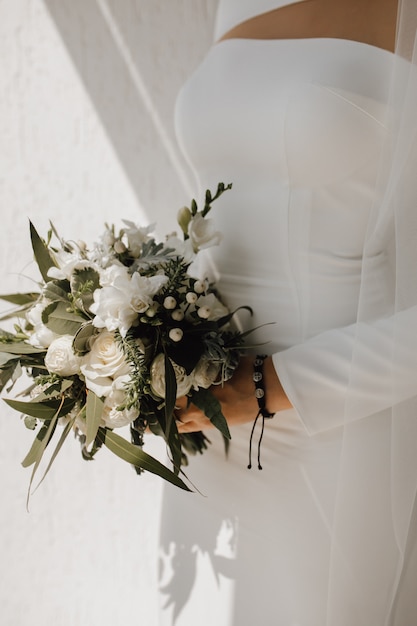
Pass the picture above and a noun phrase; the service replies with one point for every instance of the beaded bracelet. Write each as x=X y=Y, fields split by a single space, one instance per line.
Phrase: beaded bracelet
x=258 y=379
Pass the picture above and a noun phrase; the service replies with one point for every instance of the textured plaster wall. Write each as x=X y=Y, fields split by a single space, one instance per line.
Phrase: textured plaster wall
x=87 y=89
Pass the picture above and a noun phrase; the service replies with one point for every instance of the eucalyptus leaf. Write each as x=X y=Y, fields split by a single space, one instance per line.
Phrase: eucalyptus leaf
x=20 y=348
x=65 y=432
x=7 y=373
x=38 y=448
x=137 y=457
x=42 y=254
x=20 y=298
x=16 y=312
x=94 y=411
x=42 y=410
x=208 y=403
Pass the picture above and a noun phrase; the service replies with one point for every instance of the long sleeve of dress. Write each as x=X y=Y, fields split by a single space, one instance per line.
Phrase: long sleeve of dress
x=352 y=372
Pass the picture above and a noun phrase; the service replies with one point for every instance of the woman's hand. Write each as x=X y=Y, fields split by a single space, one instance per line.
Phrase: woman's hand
x=237 y=398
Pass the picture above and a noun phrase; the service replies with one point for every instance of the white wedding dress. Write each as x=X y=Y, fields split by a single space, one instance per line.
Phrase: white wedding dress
x=297 y=126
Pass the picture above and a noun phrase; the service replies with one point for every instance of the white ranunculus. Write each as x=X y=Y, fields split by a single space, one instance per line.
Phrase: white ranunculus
x=184 y=382
x=205 y=373
x=103 y=364
x=111 y=416
x=60 y=357
x=41 y=336
x=202 y=233
x=213 y=305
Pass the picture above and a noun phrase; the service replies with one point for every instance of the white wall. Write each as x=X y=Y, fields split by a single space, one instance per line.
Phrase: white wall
x=87 y=89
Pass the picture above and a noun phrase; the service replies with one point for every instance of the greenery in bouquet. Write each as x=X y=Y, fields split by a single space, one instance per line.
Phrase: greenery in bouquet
x=114 y=336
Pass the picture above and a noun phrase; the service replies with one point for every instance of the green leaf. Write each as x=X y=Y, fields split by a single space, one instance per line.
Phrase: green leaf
x=34 y=451
x=55 y=389
x=170 y=393
x=7 y=373
x=208 y=403
x=35 y=454
x=60 y=320
x=82 y=339
x=64 y=435
x=94 y=410
x=57 y=291
x=137 y=457
x=42 y=410
x=16 y=312
x=20 y=348
x=20 y=298
x=42 y=254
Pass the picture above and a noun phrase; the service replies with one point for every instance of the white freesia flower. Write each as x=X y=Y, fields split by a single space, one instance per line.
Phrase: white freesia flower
x=205 y=373
x=118 y=302
x=41 y=336
x=215 y=308
x=136 y=237
x=104 y=363
x=60 y=357
x=112 y=416
x=202 y=233
x=181 y=248
x=184 y=382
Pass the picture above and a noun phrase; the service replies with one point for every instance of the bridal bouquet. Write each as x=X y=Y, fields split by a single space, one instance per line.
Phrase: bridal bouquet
x=115 y=334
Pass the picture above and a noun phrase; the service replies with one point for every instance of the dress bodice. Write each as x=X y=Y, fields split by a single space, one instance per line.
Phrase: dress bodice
x=302 y=124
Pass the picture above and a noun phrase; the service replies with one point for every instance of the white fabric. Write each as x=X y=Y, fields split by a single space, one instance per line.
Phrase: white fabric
x=318 y=139
x=230 y=13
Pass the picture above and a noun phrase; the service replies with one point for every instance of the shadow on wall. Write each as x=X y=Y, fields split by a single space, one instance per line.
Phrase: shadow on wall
x=132 y=57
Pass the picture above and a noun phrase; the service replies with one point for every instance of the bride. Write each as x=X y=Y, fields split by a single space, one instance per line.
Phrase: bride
x=308 y=108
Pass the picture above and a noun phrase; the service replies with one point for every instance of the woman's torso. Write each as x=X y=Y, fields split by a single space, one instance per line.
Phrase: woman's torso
x=297 y=126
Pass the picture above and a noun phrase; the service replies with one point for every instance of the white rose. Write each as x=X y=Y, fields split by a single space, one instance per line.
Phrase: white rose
x=184 y=382
x=202 y=233
x=60 y=357
x=205 y=373
x=111 y=416
x=215 y=309
x=103 y=364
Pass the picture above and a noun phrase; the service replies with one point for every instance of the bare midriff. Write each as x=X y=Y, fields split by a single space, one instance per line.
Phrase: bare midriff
x=368 y=21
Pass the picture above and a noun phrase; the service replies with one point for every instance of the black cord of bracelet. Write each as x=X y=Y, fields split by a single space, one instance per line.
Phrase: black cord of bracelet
x=258 y=379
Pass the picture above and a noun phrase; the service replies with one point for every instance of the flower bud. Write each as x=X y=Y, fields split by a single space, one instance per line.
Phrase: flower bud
x=170 y=302
x=177 y=315
x=184 y=218
x=204 y=312
x=151 y=312
x=119 y=247
x=191 y=297
x=200 y=286
x=176 y=334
